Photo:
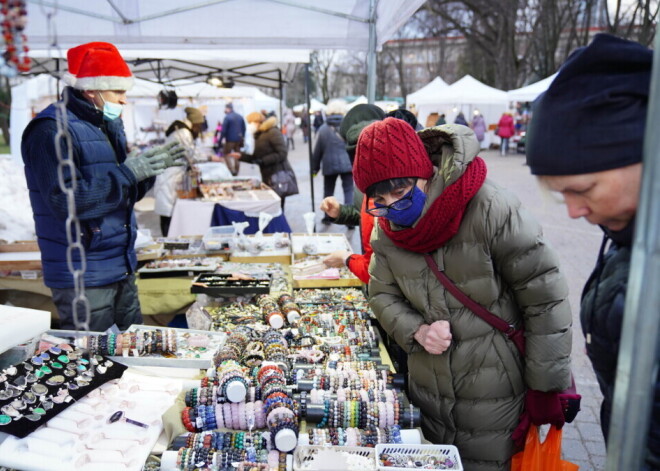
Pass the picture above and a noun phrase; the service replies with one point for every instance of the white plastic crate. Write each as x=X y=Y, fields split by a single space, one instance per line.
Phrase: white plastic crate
x=333 y=458
x=425 y=454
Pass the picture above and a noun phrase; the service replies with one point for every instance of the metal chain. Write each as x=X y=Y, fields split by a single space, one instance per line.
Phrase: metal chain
x=66 y=177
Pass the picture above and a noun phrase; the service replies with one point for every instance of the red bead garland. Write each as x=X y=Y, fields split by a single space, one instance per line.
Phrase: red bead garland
x=13 y=23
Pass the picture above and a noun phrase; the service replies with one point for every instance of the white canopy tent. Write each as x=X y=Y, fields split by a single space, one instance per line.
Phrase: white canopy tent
x=430 y=89
x=467 y=95
x=216 y=26
x=530 y=92
x=315 y=105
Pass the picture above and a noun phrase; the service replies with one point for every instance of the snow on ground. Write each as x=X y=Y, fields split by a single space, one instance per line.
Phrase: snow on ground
x=16 y=221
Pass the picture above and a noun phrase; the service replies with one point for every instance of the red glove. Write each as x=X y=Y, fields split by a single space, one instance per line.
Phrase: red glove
x=540 y=408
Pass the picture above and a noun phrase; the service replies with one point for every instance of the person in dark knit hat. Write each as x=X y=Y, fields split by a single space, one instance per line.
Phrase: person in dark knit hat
x=108 y=184
x=597 y=104
x=430 y=193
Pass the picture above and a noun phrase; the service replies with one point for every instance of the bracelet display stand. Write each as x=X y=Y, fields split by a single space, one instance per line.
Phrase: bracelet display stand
x=114 y=428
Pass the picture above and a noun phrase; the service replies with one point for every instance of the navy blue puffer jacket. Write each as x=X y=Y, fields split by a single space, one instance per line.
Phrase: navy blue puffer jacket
x=105 y=194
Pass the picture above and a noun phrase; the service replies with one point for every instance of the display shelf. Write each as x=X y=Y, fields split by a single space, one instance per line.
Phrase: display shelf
x=186 y=357
x=303 y=245
x=268 y=248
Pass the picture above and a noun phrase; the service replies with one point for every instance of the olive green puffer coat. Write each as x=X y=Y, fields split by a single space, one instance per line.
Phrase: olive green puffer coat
x=472 y=395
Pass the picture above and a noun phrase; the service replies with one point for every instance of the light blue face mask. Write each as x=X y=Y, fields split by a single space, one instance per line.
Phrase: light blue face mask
x=111 y=111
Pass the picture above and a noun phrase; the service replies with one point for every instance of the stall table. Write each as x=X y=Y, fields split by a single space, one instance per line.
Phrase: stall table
x=195 y=216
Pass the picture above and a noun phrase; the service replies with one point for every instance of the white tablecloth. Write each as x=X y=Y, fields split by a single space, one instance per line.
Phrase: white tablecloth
x=193 y=217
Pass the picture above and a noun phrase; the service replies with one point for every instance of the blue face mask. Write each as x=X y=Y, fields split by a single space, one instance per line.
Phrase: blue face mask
x=407 y=217
x=111 y=111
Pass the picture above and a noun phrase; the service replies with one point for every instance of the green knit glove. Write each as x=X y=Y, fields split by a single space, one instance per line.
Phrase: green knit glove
x=144 y=167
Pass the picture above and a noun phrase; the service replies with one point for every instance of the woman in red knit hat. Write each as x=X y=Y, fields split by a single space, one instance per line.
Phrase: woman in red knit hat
x=436 y=208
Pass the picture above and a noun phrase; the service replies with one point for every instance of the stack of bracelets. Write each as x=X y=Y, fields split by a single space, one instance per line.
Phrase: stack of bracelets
x=360 y=414
x=234 y=346
x=276 y=348
x=289 y=308
x=236 y=416
x=367 y=437
x=230 y=450
x=139 y=343
x=281 y=410
x=270 y=310
x=233 y=383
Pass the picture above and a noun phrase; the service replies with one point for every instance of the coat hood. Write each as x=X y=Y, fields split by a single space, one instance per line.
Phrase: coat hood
x=269 y=123
x=451 y=147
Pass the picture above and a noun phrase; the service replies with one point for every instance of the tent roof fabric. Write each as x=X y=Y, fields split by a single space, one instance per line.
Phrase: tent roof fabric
x=532 y=91
x=253 y=42
x=217 y=24
x=429 y=89
x=467 y=90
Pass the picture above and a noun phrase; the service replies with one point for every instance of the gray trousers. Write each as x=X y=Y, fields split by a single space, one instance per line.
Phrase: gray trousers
x=116 y=303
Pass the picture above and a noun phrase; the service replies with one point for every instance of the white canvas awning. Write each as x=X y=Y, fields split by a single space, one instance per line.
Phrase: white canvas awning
x=530 y=92
x=216 y=24
x=466 y=95
x=432 y=88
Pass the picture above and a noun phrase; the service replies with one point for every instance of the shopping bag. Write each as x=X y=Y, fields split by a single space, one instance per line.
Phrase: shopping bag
x=539 y=456
x=284 y=183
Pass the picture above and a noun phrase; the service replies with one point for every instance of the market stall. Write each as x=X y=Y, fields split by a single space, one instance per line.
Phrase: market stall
x=266 y=377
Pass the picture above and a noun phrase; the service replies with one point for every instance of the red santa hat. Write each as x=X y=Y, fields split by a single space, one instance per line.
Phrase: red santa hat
x=98 y=66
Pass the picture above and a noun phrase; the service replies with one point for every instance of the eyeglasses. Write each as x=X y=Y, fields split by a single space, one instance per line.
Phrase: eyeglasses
x=399 y=205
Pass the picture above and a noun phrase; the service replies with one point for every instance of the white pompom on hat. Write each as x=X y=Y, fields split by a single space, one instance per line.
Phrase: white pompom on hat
x=98 y=66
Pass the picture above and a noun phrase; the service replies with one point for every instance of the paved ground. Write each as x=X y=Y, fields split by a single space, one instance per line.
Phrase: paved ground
x=577 y=243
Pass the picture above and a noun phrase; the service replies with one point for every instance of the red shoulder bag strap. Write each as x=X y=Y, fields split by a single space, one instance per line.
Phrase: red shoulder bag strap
x=515 y=335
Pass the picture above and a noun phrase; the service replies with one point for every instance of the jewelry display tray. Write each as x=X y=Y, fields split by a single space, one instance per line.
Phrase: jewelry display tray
x=204 y=361
x=218 y=284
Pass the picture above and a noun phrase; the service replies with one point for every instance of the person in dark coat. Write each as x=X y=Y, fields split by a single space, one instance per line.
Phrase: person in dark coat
x=598 y=104
x=318 y=121
x=233 y=135
x=441 y=120
x=304 y=124
x=108 y=182
x=330 y=152
x=270 y=152
x=460 y=119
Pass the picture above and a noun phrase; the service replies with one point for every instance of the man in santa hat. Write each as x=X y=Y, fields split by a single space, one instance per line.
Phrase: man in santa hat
x=108 y=182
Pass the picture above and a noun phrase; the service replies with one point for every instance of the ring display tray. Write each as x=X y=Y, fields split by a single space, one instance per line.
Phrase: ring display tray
x=218 y=284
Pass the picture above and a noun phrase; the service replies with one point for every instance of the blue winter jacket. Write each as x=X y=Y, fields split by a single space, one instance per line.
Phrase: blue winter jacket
x=106 y=191
x=233 y=128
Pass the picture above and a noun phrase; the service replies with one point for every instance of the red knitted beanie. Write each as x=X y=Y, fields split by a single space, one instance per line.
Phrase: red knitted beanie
x=389 y=149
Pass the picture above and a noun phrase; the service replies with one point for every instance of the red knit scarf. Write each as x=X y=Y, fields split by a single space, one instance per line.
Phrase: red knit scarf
x=443 y=218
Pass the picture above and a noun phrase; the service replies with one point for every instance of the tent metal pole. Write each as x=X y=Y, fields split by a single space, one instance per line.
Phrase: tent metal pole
x=279 y=79
x=309 y=130
x=57 y=83
x=637 y=367
x=371 y=53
